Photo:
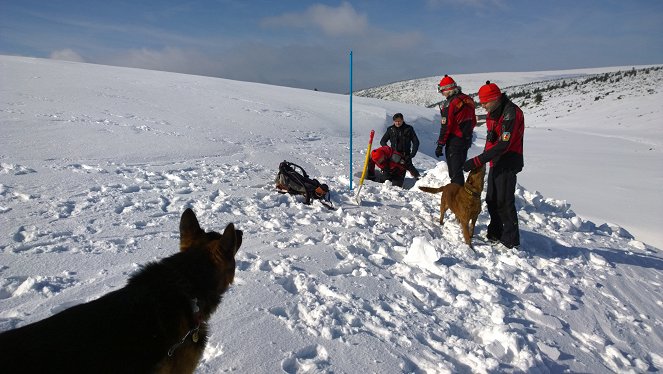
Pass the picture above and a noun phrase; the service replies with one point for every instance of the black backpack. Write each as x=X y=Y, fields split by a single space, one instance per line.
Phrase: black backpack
x=289 y=180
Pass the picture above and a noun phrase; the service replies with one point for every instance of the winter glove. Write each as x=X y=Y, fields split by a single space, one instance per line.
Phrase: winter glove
x=491 y=136
x=471 y=164
x=439 y=151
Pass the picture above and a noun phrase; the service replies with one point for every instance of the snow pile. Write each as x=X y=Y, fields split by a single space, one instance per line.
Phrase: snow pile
x=98 y=164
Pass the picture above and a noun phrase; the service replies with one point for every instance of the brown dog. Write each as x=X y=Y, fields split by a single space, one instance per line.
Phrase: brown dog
x=464 y=201
x=157 y=323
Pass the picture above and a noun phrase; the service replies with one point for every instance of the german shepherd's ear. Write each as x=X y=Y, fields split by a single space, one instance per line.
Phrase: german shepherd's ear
x=231 y=240
x=189 y=229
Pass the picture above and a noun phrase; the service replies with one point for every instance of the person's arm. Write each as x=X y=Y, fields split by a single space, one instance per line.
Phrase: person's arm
x=444 y=126
x=508 y=121
x=415 y=144
x=385 y=137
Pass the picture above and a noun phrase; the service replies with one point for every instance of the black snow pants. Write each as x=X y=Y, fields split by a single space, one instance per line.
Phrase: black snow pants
x=456 y=151
x=501 y=201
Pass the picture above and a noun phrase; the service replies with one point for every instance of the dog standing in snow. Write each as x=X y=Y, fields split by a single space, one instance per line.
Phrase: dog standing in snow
x=464 y=201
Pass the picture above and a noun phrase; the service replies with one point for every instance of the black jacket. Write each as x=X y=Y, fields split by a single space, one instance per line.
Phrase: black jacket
x=403 y=139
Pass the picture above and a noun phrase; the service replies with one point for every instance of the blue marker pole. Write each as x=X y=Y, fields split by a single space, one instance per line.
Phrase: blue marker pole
x=350 y=120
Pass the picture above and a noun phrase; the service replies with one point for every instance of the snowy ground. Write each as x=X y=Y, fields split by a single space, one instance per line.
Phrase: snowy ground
x=98 y=163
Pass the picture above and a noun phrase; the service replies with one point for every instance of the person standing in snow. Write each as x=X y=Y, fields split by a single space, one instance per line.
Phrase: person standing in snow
x=403 y=140
x=505 y=124
x=457 y=125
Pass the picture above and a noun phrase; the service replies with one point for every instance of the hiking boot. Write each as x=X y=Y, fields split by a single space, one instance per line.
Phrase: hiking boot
x=512 y=246
x=493 y=238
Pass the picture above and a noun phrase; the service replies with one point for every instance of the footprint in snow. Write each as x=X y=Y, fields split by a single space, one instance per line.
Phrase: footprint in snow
x=126 y=205
x=314 y=358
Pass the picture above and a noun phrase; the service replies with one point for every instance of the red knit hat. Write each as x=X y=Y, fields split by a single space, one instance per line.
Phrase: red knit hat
x=489 y=92
x=447 y=83
x=381 y=155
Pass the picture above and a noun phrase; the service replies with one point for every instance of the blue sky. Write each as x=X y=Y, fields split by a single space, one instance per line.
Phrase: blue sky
x=306 y=44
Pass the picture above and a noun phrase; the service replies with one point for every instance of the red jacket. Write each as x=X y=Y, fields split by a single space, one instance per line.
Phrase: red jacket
x=458 y=118
x=504 y=142
x=385 y=156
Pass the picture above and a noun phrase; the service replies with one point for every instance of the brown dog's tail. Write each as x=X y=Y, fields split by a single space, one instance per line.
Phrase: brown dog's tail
x=431 y=189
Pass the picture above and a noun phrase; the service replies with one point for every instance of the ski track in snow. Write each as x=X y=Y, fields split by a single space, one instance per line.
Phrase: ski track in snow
x=75 y=230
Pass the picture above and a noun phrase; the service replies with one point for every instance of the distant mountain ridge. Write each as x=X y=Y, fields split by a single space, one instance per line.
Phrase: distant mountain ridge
x=422 y=91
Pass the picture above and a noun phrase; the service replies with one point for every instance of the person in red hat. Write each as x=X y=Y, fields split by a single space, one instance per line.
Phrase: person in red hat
x=457 y=125
x=505 y=123
x=391 y=162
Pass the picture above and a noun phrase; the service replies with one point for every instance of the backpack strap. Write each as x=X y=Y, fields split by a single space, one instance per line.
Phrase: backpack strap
x=297 y=166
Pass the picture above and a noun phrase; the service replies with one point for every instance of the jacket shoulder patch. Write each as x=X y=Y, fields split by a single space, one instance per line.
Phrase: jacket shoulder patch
x=506 y=136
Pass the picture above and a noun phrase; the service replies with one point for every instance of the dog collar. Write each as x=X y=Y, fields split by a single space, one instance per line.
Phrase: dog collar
x=198 y=320
x=470 y=192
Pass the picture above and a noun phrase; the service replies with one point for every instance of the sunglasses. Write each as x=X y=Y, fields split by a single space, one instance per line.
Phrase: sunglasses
x=441 y=89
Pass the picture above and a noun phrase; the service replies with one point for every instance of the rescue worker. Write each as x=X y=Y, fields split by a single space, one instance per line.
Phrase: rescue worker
x=505 y=123
x=390 y=162
x=457 y=125
x=403 y=140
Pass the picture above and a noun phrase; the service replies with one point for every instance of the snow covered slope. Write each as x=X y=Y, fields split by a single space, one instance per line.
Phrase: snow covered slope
x=423 y=91
x=97 y=164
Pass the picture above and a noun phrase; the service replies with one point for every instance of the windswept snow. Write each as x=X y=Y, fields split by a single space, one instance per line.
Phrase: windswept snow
x=98 y=163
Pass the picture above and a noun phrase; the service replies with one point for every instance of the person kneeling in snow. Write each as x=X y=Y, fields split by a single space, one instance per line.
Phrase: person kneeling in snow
x=392 y=164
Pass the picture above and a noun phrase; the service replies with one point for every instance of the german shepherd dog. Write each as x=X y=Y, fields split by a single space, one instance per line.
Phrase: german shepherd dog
x=464 y=201
x=157 y=323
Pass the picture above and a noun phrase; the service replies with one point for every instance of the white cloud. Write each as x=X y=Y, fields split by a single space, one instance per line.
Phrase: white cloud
x=340 y=21
x=66 y=55
x=479 y=4
x=167 y=59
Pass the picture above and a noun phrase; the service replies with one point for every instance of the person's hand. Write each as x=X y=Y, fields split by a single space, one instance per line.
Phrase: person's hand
x=439 y=151
x=471 y=164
